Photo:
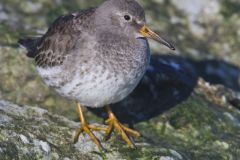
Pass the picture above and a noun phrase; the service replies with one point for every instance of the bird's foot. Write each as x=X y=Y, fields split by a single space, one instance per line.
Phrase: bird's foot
x=88 y=128
x=85 y=127
x=122 y=130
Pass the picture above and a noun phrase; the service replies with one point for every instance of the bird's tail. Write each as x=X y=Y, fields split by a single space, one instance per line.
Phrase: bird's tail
x=30 y=44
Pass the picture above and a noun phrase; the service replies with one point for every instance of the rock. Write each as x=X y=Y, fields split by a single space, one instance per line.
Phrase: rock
x=33 y=133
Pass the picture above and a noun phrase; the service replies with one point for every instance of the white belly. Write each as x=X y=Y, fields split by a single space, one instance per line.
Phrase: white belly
x=94 y=90
x=99 y=90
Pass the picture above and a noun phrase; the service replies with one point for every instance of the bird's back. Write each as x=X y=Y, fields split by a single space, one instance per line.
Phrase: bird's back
x=51 y=49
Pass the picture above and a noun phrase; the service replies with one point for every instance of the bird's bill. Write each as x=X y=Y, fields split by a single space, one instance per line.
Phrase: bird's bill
x=148 y=33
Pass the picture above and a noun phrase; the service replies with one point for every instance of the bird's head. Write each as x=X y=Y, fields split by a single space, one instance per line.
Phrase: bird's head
x=129 y=18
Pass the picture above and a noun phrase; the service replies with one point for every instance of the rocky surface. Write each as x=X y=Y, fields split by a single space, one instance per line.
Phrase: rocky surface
x=186 y=107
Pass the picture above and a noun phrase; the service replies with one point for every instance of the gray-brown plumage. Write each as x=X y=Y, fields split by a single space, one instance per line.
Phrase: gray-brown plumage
x=96 y=56
x=50 y=50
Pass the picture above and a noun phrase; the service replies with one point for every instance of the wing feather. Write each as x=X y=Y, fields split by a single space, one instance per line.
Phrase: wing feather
x=61 y=37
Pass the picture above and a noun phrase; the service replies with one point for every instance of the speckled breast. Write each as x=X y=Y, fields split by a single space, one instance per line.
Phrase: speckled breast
x=114 y=77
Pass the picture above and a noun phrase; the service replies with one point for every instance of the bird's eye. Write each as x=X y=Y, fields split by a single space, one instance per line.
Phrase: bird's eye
x=127 y=17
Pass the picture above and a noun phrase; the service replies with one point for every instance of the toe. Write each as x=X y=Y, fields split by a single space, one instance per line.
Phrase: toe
x=77 y=134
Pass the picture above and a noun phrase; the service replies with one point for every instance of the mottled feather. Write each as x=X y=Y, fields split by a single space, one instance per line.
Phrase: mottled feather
x=51 y=49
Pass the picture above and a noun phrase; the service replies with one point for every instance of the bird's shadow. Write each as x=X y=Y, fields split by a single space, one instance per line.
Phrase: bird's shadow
x=169 y=81
x=218 y=72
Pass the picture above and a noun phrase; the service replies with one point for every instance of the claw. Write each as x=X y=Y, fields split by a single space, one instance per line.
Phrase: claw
x=122 y=130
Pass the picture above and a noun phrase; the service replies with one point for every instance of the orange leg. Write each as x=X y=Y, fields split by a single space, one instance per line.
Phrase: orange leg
x=113 y=122
x=85 y=127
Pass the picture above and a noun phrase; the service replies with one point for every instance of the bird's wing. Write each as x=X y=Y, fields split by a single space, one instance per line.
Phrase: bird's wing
x=60 y=38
